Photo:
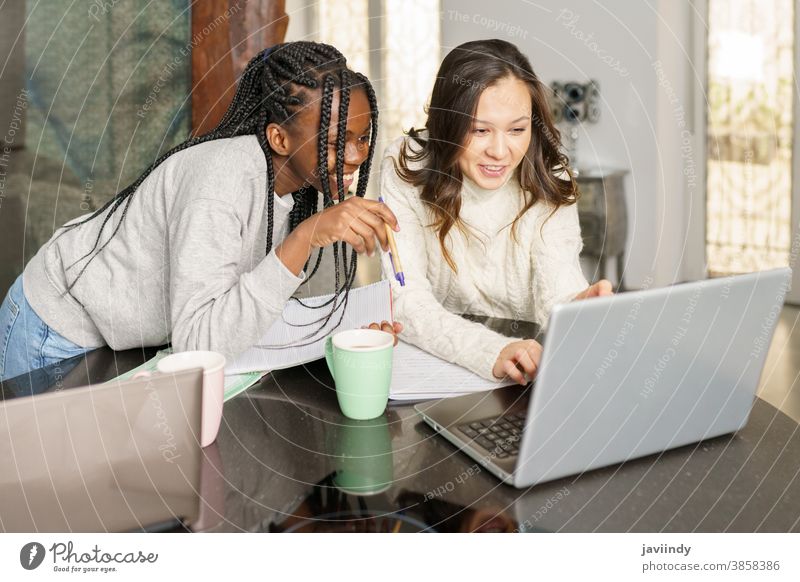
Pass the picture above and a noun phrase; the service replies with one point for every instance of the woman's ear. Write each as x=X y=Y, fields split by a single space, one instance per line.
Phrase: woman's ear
x=278 y=139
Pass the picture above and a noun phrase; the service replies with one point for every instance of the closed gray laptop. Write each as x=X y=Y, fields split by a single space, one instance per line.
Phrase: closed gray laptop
x=120 y=456
x=625 y=376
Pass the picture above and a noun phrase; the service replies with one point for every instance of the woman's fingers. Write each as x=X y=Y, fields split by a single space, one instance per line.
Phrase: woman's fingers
x=523 y=365
x=385 y=326
x=355 y=240
x=367 y=226
x=376 y=224
x=356 y=221
x=526 y=361
x=366 y=233
x=583 y=294
x=389 y=328
x=381 y=210
x=511 y=370
x=535 y=352
x=604 y=288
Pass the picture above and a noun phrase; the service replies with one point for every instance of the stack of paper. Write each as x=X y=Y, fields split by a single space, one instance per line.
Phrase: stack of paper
x=417 y=375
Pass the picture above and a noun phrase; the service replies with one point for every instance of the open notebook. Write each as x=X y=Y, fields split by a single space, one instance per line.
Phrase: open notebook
x=415 y=373
x=287 y=343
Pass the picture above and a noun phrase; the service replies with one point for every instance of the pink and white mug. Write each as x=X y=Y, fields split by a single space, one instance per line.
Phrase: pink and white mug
x=213 y=365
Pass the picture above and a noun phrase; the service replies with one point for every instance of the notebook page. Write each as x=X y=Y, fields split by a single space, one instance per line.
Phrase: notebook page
x=278 y=349
x=418 y=375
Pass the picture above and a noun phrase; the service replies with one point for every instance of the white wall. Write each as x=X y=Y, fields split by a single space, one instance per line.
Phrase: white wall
x=618 y=43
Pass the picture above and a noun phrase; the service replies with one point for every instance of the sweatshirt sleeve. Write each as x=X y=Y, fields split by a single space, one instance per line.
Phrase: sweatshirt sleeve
x=557 y=274
x=212 y=306
x=427 y=324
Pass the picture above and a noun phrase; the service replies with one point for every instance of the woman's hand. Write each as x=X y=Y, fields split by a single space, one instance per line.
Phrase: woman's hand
x=519 y=361
x=356 y=221
x=600 y=289
x=392 y=328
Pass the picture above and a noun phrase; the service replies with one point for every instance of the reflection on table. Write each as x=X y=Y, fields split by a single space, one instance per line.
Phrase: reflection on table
x=287 y=460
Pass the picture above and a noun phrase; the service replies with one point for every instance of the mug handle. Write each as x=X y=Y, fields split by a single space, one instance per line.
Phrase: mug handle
x=329 y=355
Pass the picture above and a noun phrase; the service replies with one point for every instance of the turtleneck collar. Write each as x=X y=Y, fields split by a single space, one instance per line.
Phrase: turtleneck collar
x=471 y=191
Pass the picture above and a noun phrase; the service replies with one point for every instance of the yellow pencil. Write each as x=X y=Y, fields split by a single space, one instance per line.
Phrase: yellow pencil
x=394 y=256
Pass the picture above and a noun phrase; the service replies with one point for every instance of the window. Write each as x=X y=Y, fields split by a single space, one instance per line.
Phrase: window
x=750 y=120
x=396 y=43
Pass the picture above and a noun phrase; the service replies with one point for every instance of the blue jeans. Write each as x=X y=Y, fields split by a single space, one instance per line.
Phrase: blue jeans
x=28 y=343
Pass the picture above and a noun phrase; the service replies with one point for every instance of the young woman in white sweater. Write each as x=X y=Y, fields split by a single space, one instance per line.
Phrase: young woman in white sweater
x=486 y=202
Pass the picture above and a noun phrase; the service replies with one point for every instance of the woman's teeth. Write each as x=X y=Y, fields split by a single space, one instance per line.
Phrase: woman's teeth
x=345 y=177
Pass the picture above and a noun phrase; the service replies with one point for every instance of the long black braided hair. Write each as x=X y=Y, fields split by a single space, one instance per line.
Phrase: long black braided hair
x=271 y=89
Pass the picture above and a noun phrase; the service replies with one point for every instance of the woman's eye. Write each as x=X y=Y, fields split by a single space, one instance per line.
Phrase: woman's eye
x=480 y=131
x=364 y=139
x=518 y=130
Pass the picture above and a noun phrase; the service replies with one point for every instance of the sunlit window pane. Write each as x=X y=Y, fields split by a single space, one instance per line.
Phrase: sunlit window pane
x=345 y=25
x=751 y=60
x=410 y=61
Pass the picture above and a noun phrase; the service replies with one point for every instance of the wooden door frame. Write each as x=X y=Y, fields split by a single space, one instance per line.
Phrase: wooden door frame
x=225 y=35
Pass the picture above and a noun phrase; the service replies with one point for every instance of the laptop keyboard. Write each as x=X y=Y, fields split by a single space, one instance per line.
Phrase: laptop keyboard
x=500 y=436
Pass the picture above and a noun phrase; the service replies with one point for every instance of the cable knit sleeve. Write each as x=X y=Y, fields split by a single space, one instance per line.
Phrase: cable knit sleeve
x=557 y=274
x=427 y=324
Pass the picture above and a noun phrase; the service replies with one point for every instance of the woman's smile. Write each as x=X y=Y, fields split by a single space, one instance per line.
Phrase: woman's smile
x=492 y=170
x=348 y=177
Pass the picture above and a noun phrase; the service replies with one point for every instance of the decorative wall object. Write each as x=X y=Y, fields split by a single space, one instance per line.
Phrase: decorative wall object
x=574 y=103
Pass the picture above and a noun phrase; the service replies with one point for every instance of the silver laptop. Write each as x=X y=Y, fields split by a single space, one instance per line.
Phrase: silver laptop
x=622 y=377
x=121 y=456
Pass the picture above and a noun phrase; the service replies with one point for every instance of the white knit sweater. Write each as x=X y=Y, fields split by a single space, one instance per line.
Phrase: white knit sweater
x=497 y=276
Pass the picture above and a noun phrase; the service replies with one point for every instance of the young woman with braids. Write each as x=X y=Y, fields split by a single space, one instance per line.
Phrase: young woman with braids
x=206 y=247
x=487 y=204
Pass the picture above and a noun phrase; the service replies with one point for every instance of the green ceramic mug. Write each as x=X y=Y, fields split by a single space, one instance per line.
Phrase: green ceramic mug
x=360 y=361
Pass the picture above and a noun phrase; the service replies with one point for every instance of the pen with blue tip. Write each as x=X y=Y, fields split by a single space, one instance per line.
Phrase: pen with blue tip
x=394 y=256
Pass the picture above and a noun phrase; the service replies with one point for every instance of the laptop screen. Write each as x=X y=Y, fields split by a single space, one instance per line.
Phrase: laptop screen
x=120 y=456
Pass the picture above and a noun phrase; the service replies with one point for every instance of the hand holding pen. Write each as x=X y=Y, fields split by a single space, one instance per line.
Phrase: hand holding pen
x=394 y=256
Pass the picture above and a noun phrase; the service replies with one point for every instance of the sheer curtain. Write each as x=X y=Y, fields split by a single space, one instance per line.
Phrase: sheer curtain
x=751 y=76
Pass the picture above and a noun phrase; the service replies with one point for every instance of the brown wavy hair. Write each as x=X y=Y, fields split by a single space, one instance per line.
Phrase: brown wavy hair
x=464 y=74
